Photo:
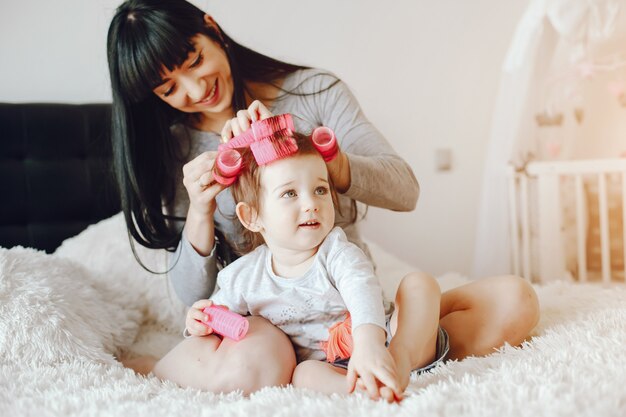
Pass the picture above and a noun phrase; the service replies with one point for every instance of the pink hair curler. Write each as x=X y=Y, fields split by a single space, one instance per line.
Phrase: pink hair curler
x=228 y=163
x=268 y=127
x=226 y=322
x=325 y=142
x=269 y=150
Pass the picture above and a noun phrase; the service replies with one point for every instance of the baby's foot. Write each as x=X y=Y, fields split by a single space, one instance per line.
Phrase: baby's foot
x=388 y=395
x=402 y=359
x=142 y=365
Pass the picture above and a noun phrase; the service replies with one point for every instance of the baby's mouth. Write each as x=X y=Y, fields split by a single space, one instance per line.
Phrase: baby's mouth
x=310 y=224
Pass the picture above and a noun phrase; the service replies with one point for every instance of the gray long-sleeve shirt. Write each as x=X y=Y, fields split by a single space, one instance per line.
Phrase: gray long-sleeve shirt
x=379 y=177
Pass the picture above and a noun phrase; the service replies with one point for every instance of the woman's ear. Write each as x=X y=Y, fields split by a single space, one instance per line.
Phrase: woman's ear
x=248 y=217
x=209 y=21
x=212 y=24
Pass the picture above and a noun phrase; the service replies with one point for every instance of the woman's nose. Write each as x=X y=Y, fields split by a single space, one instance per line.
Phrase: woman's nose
x=195 y=88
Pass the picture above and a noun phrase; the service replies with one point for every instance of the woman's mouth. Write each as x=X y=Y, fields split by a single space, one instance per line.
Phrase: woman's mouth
x=211 y=98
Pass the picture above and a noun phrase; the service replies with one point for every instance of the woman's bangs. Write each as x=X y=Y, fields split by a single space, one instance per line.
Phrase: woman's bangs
x=148 y=53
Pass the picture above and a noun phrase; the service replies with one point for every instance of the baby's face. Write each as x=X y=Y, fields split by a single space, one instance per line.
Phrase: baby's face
x=296 y=211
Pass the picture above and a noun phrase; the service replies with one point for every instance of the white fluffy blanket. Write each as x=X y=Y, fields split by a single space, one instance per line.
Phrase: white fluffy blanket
x=64 y=316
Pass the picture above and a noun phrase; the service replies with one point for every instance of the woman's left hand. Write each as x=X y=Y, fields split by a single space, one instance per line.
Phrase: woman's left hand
x=239 y=124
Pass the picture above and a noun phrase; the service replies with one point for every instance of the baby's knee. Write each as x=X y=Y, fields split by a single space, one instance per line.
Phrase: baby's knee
x=419 y=283
x=520 y=299
x=302 y=375
x=269 y=363
x=518 y=308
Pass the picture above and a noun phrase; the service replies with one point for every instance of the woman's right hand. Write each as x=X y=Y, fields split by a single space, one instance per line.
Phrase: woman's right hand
x=195 y=317
x=201 y=186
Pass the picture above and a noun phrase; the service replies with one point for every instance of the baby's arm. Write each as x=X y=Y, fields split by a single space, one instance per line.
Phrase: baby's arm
x=371 y=361
x=227 y=296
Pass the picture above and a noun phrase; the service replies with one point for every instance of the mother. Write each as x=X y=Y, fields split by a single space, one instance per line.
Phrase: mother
x=177 y=78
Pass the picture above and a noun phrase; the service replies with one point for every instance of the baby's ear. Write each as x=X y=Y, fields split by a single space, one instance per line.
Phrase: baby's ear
x=248 y=216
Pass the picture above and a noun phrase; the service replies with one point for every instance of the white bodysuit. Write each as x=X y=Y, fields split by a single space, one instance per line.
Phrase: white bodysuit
x=341 y=279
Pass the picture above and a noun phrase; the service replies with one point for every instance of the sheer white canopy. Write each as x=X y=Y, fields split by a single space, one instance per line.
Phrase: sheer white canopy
x=549 y=29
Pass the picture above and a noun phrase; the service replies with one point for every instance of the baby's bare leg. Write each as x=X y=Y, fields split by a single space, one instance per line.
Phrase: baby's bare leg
x=264 y=357
x=414 y=324
x=320 y=376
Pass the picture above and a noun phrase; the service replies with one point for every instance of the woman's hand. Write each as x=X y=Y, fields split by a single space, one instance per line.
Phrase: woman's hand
x=200 y=184
x=202 y=190
x=373 y=365
x=241 y=123
x=339 y=171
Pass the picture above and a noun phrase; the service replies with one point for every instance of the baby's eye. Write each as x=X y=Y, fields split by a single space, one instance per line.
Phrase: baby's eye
x=198 y=60
x=289 y=194
x=321 y=191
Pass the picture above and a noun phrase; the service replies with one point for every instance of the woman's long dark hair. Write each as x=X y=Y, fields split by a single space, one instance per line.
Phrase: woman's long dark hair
x=144 y=36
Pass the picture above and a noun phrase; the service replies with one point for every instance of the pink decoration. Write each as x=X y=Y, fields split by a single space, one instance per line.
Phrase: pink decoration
x=553 y=148
x=616 y=88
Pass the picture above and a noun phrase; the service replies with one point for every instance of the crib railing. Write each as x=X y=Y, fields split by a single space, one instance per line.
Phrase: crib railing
x=539 y=235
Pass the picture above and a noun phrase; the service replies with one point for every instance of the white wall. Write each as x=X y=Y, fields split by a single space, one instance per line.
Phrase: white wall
x=425 y=72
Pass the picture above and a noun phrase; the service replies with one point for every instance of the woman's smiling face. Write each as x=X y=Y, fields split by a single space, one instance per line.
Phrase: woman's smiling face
x=202 y=84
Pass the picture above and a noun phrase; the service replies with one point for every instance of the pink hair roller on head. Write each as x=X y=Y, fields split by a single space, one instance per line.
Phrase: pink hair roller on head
x=229 y=165
x=325 y=142
x=226 y=322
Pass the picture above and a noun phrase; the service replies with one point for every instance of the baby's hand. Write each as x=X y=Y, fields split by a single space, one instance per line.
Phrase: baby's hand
x=241 y=123
x=195 y=317
x=374 y=366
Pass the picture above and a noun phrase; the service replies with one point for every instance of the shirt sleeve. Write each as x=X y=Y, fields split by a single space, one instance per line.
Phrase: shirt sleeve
x=228 y=294
x=379 y=176
x=355 y=280
x=192 y=275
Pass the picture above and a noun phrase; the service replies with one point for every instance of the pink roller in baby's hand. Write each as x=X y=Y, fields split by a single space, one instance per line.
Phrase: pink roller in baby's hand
x=325 y=142
x=226 y=323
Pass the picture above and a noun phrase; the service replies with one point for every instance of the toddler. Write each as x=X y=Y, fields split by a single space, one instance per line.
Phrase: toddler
x=302 y=274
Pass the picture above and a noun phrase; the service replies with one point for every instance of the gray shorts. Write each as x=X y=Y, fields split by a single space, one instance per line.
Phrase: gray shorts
x=442 y=349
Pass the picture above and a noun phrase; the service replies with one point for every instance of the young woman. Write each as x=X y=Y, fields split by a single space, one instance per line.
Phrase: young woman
x=177 y=80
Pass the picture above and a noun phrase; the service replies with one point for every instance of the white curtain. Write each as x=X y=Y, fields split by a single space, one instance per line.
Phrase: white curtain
x=545 y=25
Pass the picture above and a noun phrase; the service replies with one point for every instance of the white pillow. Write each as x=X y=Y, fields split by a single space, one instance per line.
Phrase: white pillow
x=53 y=310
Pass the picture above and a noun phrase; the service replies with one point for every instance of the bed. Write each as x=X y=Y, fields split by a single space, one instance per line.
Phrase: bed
x=67 y=309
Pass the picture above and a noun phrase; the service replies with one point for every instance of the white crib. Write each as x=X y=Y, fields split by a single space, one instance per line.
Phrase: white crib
x=567 y=220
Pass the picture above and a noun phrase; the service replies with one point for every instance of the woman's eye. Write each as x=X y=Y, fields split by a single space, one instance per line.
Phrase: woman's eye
x=169 y=91
x=289 y=194
x=321 y=190
x=198 y=61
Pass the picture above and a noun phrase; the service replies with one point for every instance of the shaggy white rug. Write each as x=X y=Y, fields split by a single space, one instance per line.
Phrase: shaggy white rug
x=63 y=316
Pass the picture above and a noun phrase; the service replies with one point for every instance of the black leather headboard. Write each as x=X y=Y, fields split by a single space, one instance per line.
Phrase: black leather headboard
x=55 y=172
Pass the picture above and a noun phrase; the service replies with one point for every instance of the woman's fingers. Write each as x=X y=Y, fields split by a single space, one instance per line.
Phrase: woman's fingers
x=243 y=120
x=234 y=127
x=202 y=163
x=206 y=179
x=227 y=132
x=258 y=111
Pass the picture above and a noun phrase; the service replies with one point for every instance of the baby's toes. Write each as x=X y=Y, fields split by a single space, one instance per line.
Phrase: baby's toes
x=386 y=394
